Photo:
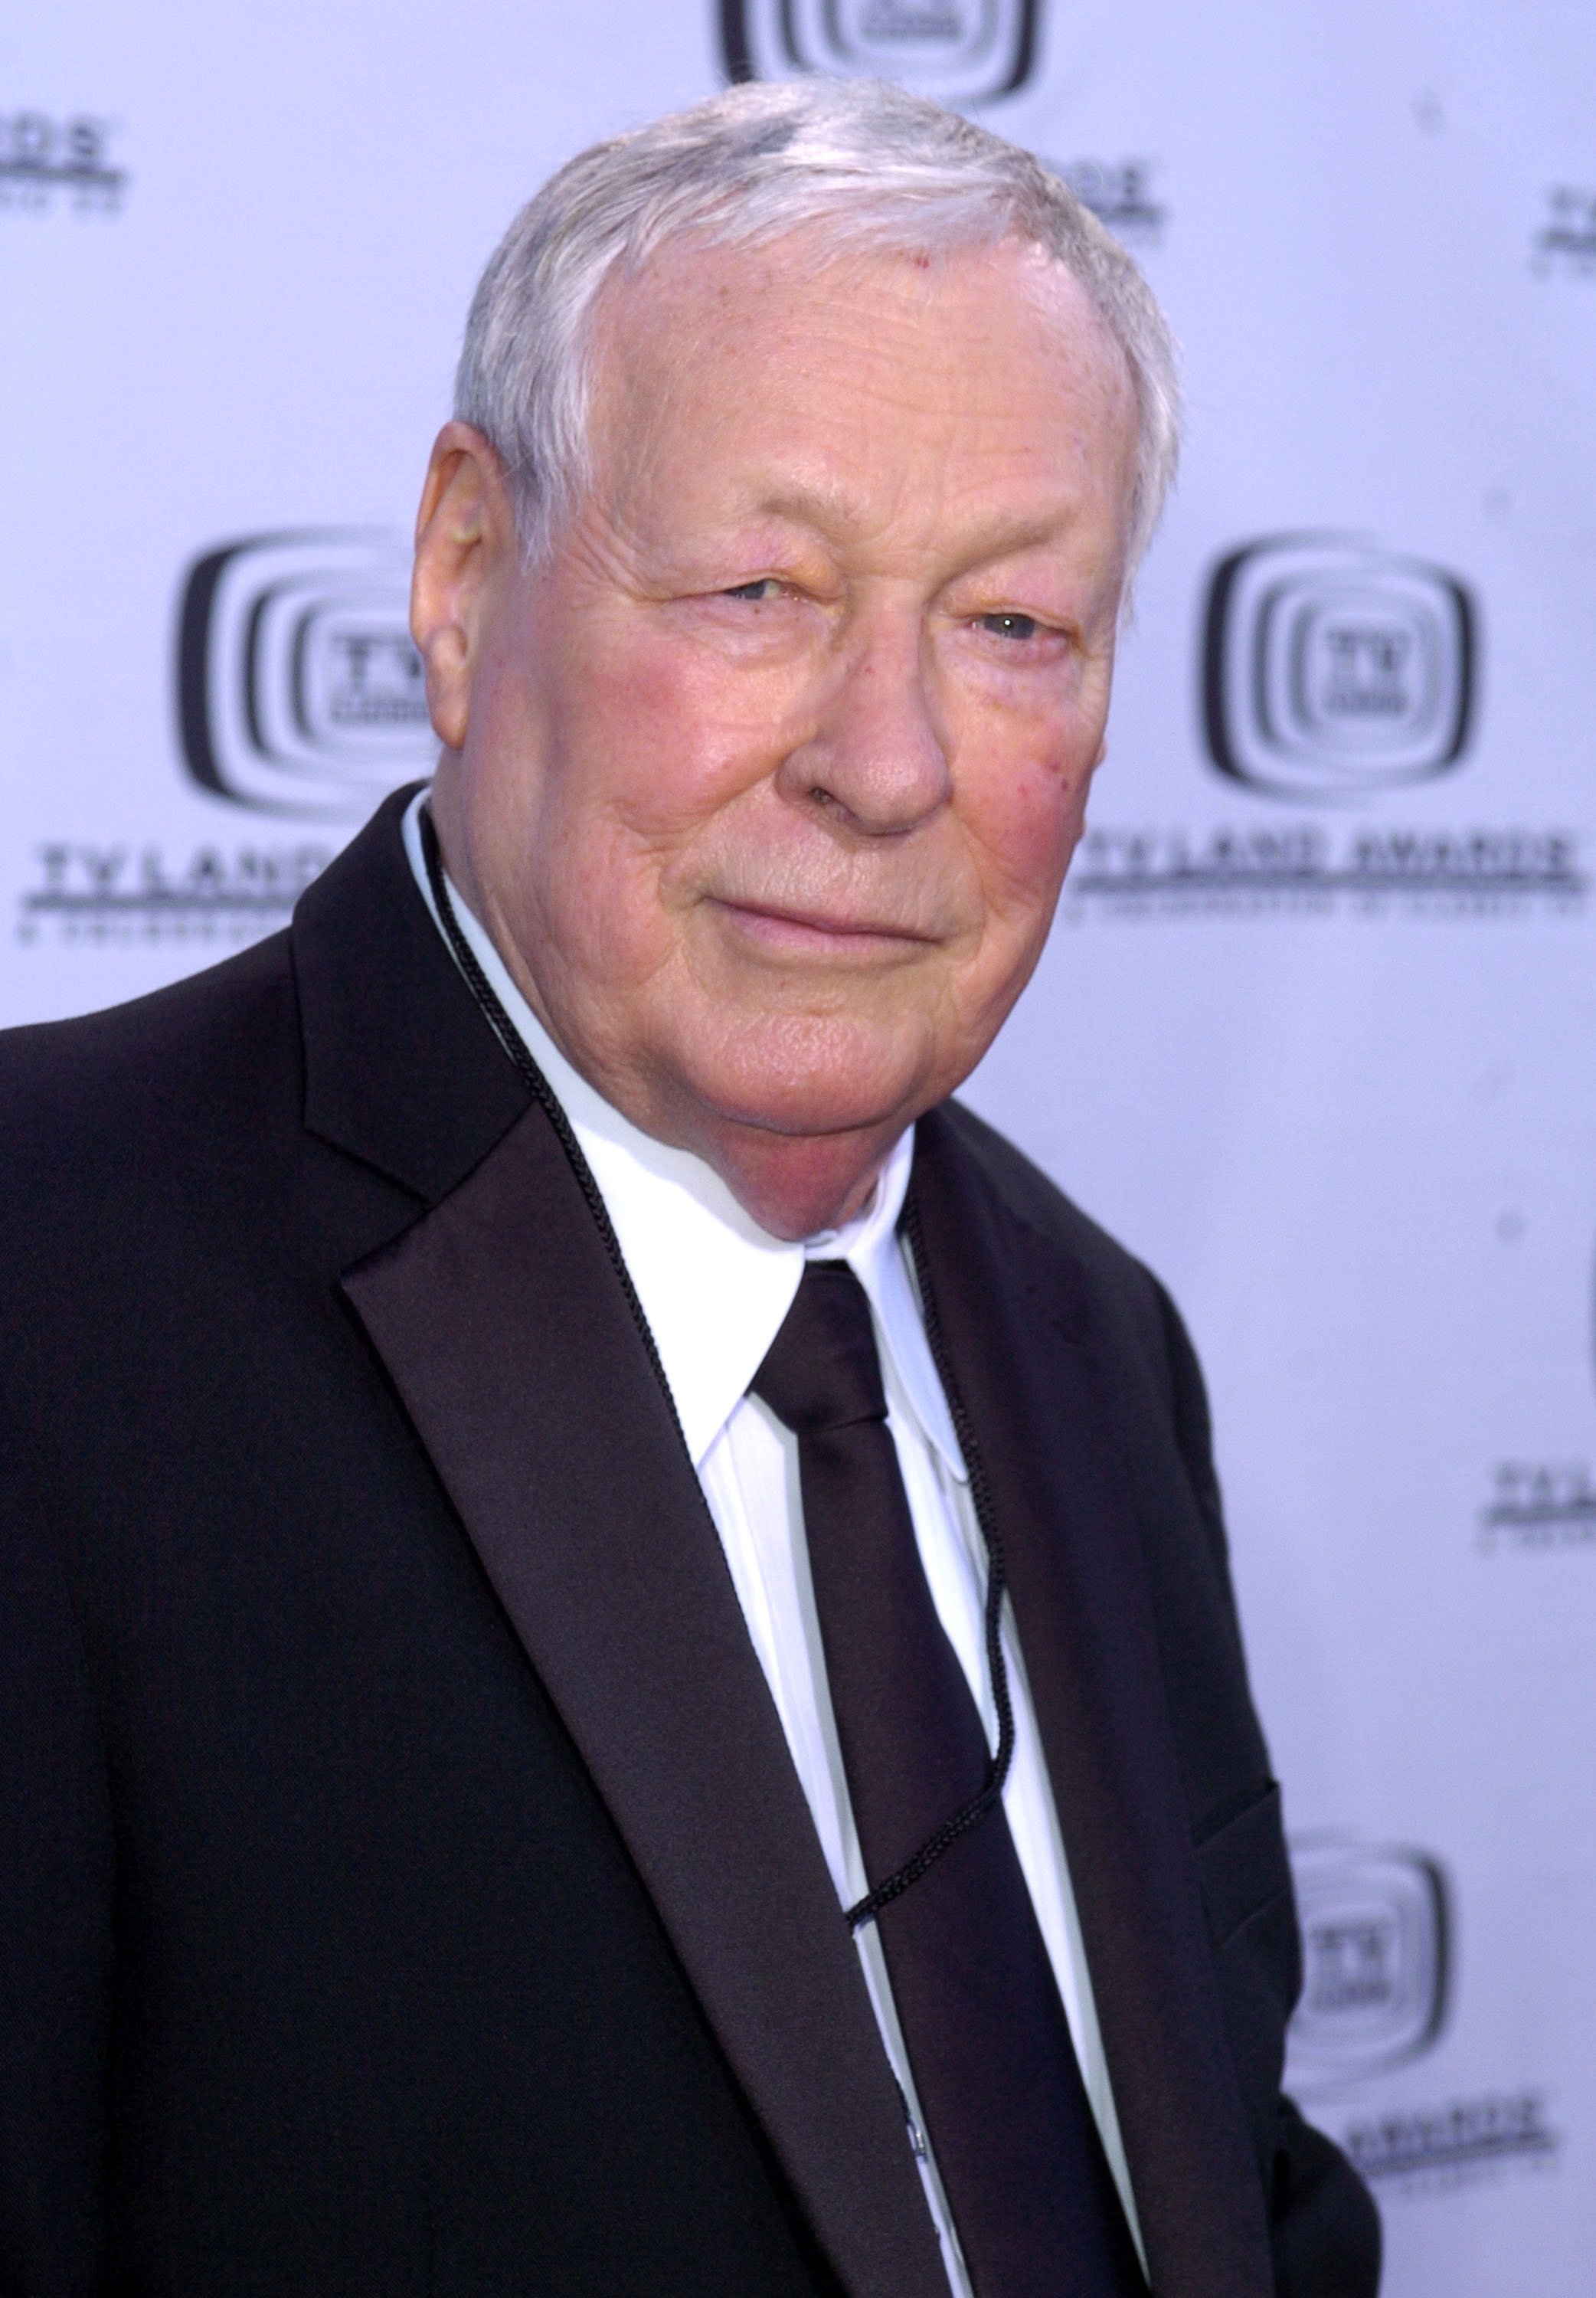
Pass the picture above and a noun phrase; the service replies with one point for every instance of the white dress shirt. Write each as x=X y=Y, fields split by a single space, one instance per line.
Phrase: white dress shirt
x=715 y=1288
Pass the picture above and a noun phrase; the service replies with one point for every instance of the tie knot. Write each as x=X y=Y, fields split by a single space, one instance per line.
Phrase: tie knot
x=823 y=1370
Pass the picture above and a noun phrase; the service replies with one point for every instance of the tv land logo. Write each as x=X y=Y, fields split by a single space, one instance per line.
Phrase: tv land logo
x=45 y=161
x=962 y=52
x=299 y=690
x=1375 y=1960
x=1376 y=1964
x=1333 y=669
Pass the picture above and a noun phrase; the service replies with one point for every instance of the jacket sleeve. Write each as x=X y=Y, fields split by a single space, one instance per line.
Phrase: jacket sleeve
x=1323 y=2224
x=55 y=1922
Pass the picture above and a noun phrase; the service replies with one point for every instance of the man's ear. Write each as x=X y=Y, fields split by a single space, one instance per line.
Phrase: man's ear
x=465 y=546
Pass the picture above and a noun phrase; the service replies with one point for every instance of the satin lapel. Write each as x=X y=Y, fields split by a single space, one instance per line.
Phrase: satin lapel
x=508 y=1336
x=1050 y=1431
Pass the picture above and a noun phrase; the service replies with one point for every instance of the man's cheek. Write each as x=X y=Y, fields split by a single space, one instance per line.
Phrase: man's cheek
x=638 y=668
x=1026 y=821
x=667 y=754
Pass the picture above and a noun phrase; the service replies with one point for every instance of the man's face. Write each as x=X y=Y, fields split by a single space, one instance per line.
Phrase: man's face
x=768 y=776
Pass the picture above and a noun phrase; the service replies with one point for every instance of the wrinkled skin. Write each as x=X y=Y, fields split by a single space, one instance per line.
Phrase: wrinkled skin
x=765 y=779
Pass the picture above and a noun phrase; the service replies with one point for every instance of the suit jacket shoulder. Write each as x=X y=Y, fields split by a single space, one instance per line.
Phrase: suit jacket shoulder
x=210 y=1043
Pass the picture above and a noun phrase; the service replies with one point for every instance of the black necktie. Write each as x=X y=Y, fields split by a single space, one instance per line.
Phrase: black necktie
x=1021 y=2160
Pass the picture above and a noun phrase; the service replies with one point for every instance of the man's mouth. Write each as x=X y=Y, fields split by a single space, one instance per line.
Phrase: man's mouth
x=796 y=929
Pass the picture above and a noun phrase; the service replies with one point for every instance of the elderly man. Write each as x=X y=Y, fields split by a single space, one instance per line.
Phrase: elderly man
x=619 y=1670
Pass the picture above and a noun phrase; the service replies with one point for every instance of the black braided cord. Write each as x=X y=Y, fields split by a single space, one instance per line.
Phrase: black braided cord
x=867 y=1909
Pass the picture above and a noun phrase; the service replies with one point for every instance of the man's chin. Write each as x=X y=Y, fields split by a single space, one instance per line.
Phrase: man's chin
x=801 y=1154
x=796 y=1185
x=809 y=1107
x=806 y=1074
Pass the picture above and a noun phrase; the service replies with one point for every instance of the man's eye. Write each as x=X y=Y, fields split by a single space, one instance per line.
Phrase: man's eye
x=765 y=587
x=1018 y=627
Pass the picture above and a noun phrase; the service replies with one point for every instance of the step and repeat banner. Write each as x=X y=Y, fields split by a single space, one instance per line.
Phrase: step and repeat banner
x=1316 y=1033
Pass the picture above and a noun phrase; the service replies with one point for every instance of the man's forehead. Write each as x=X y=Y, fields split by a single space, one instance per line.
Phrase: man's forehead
x=696 y=296
x=767 y=356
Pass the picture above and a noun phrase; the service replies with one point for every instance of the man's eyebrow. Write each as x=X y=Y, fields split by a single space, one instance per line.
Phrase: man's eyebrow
x=830 y=511
x=827 y=508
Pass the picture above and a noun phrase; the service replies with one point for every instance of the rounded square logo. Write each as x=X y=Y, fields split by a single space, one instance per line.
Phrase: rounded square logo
x=960 y=51
x=1375 y=1961
x=1331 y=669
x=299 y=690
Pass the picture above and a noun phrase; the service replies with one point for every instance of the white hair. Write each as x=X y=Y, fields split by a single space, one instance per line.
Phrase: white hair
x=872 y=167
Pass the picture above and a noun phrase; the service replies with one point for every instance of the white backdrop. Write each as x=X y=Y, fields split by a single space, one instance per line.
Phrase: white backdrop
x=1315 y=1032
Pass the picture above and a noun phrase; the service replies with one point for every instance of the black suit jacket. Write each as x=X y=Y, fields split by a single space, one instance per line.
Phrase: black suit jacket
x=404 y=1887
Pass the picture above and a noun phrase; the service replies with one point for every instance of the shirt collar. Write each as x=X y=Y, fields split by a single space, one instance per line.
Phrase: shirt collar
x=713 y=1285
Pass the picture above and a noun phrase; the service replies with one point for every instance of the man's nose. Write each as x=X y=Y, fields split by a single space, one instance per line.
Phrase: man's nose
x=876 y=760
